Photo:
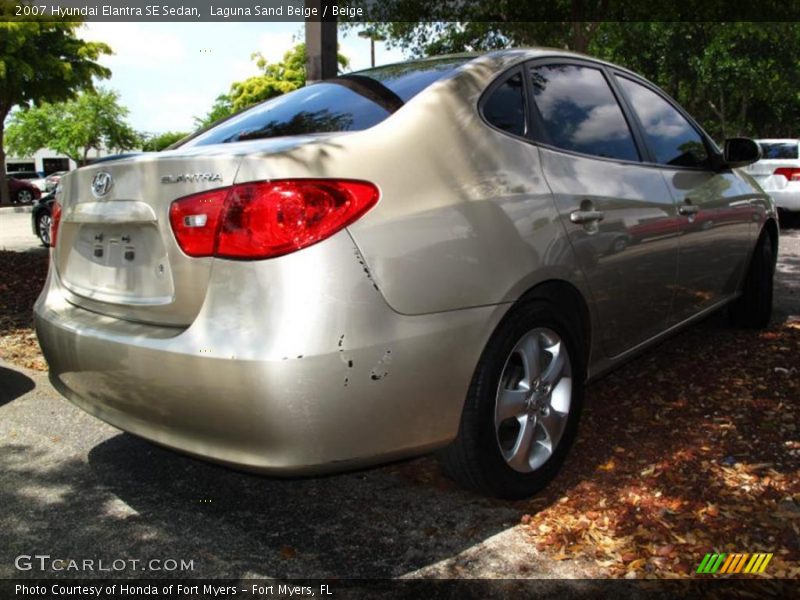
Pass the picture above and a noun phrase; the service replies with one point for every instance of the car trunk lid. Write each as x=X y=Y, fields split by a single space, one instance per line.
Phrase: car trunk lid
x=116 y=252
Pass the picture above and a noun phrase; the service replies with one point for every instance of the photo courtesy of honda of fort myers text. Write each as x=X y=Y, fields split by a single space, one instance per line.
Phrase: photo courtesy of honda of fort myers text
x=399 y=299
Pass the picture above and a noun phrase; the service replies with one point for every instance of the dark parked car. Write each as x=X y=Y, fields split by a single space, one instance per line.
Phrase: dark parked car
x=51 y=181
x=33 y=177
x=22 y=192
x=41 y=218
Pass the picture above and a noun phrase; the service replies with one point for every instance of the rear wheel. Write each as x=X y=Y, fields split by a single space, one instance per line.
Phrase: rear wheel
x=753 y=308
x=43 y=222
x=522 y=408
x=24 y=197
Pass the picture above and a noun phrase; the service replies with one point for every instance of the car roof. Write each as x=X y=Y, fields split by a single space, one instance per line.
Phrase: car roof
x=507 y=57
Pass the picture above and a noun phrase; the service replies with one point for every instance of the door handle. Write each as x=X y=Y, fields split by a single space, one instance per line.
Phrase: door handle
x=688 y=209
x=586 y=216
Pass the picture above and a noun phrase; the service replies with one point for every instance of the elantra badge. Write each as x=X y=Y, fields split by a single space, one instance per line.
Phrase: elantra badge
x=102 y=183
x=191 y=178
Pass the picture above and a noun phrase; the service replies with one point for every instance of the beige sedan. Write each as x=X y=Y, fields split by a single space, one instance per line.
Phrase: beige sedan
x=433 y=255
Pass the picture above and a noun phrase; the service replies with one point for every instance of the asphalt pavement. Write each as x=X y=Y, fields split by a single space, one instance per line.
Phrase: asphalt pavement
x=16 y=232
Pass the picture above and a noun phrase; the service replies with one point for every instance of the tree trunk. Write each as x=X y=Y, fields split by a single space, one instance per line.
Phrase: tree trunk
x=720 y=112
x=743 y=118
x=5 y=197
x=579 y=42
x=583 y=31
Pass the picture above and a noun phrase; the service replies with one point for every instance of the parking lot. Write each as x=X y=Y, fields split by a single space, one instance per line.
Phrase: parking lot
x=691 y=448
x=16 y=232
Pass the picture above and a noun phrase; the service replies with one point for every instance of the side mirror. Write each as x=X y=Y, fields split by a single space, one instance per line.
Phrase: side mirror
x=740 y=152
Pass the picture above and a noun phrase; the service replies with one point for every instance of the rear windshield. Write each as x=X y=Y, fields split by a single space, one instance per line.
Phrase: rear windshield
x=772 y=150
x=348 y=103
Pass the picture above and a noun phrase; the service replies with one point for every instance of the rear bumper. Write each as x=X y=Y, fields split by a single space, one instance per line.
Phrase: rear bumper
x=276 y=374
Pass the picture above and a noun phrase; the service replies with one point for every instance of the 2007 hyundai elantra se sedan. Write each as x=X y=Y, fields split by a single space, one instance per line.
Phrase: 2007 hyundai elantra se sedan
x=430 y=255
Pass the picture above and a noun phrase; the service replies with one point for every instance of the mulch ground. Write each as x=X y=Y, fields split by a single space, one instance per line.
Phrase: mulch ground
x=22 y=276
x=692 y=448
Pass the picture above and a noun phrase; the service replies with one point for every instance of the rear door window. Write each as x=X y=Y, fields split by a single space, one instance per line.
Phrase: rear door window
x=505 y=106
x=671 y=137
x=579 y=112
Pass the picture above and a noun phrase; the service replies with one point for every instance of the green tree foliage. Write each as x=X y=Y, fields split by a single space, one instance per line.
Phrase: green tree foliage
x=276 y=79
x=738 y=78
x=42 y=62
x=93 y=120
x=735 y=78
x=425 y=28
x=157 y=143
x=221 y=109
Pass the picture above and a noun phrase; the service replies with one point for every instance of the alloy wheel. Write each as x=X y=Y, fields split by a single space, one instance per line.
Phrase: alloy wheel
x=44 y=229
x=533 y=400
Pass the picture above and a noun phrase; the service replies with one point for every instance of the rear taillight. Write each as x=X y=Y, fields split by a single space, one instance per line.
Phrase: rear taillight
x=195 y=221
x=55 y=221
x=269 y=218
x=790 y=173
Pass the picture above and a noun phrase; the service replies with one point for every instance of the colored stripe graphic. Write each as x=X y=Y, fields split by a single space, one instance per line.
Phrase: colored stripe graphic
x=711 y=563
x=763 y=564
x=740 y=564
x=703 y=563
x=732 y=558
x=734 y=563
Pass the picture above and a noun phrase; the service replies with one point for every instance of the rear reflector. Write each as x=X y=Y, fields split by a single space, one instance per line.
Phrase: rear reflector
x=55 y=220
x=790 y=173
x=269 y=218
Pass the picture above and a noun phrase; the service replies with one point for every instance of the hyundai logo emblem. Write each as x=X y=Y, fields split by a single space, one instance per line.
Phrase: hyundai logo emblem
x=101 y=184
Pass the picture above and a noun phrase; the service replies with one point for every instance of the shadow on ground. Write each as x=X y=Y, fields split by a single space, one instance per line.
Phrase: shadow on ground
x=138 y=500
x=15 y=384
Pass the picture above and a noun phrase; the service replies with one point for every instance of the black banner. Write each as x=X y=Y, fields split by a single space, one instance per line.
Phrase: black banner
x=397 y=10
x=428 y=589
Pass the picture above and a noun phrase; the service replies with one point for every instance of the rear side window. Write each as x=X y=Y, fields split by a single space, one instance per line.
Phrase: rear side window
x=672 y=138
x=580 y=113
x=505 y=106
x=778 y=150
x=348 y=103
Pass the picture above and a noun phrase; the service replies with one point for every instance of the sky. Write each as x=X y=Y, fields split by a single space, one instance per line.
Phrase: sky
x=168 y=73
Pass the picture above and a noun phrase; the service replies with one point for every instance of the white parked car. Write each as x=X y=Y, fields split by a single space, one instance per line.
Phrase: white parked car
x=778 y=172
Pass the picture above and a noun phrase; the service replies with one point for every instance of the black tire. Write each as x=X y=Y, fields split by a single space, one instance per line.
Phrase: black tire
x=788 y=219
x=619 y=245
x=753 y=309
x=24 y=197
x=43 y=221
x=475 y=459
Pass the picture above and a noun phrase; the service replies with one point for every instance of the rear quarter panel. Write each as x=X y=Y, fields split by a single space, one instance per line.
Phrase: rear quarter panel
x=465 y=217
